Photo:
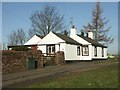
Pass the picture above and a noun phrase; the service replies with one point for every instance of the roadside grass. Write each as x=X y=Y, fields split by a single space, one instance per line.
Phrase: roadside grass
x=105 y=77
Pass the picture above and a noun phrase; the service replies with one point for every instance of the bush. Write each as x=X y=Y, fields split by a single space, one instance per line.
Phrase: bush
x=20 y=48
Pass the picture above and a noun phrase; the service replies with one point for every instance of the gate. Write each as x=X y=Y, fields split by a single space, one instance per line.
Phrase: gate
x=30 y=63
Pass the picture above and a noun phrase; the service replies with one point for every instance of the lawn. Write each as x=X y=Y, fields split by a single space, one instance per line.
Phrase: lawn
x=106 y=77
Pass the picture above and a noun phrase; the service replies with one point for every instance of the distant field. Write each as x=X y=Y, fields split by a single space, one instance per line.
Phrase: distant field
x=106 y=77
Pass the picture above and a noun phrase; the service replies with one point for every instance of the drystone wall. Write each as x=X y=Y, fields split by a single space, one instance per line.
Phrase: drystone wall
x=14 y=61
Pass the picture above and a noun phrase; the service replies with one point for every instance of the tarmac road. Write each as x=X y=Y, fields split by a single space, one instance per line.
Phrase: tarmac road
x=26 y=78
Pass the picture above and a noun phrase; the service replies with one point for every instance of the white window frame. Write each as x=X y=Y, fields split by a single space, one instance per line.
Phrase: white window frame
x=95 y=51
x=78 y=50
x=50 y=49
x=85 y=48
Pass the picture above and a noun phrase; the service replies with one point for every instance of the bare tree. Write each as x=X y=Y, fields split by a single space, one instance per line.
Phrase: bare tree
x=31 y=33
x=21 y=36
x=4 y=47
x=16 y=37
x=46 y=20
x=12 y=38
x=98 y=26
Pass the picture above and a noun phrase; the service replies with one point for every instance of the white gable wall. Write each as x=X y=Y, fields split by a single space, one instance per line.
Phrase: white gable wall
x=34 y=40
x=50 y=39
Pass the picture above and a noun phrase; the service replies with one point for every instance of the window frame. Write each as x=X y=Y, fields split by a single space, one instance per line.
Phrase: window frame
x=78 y=50
x=83 y=51
x=102 y=52
x=51 y=47
x=95 y=51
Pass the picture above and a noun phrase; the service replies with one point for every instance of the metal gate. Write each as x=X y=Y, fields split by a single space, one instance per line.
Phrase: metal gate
x=30 y=63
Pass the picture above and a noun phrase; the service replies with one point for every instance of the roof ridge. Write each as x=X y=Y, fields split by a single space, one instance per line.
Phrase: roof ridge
x=91 y=41
x=40 y=36
x=67 y=39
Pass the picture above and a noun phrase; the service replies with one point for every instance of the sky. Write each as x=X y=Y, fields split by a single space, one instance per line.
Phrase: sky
x=16 y=15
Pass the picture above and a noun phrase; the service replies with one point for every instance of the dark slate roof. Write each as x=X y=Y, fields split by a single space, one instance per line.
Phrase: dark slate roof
x=92 y=41
x=40 y=36
x=67 y=39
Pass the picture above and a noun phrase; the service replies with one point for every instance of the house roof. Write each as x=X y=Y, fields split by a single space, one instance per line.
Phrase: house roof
x=67 y=39
x=40 y=36
x=92 y=41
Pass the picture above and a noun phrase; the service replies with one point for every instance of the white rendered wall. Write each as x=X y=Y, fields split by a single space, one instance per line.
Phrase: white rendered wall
x=105 y=52
x=90 y=54
x=99 y=51
x=51 y=39
x=42 y=48
x=71 y=52
x=57 y=47
x=34 y=40
x=93 y=53
x=62 y=47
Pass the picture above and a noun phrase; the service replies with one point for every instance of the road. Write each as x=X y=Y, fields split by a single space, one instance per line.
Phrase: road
x=26 y=78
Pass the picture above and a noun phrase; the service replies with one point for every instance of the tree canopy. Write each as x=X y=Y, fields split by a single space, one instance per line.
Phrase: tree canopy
x=46 y=20
x=98 y=26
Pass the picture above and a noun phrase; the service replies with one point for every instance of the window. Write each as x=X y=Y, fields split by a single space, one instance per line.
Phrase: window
x=78 y=50
x=50 y=49
x=95 y=51
x=102 y=52
x=85 y=51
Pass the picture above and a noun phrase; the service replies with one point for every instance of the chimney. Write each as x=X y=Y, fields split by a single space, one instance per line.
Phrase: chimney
x=90 y=34
x=73 y=31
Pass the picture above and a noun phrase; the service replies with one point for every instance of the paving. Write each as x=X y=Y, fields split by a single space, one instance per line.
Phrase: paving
x=25 y=78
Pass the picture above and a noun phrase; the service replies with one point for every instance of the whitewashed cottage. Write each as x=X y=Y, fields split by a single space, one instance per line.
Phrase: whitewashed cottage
x=90 y=48
x=54 y=42
x=75 y=47
x=34 y=40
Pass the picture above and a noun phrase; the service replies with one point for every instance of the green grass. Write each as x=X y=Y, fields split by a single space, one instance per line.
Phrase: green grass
x=106 y=77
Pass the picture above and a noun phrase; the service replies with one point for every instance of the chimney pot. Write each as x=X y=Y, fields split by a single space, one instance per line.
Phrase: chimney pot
x=73 y=26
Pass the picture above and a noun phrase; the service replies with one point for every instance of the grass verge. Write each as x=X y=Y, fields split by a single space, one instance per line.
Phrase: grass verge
x=106 y=77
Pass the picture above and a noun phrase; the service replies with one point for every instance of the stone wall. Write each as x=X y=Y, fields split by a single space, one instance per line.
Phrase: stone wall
x=48 y=60
x=14 y=61
x=59 y=58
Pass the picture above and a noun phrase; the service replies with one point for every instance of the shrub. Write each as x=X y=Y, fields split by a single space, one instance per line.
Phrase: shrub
x=20 y=48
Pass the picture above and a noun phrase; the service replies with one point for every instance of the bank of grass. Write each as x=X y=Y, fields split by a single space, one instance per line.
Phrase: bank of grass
x=106 y=77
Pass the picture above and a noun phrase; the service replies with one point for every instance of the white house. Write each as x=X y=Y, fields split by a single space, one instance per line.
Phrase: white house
x=75 y=47
x=54 y=42
x=90 y=48
x=34 y=40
